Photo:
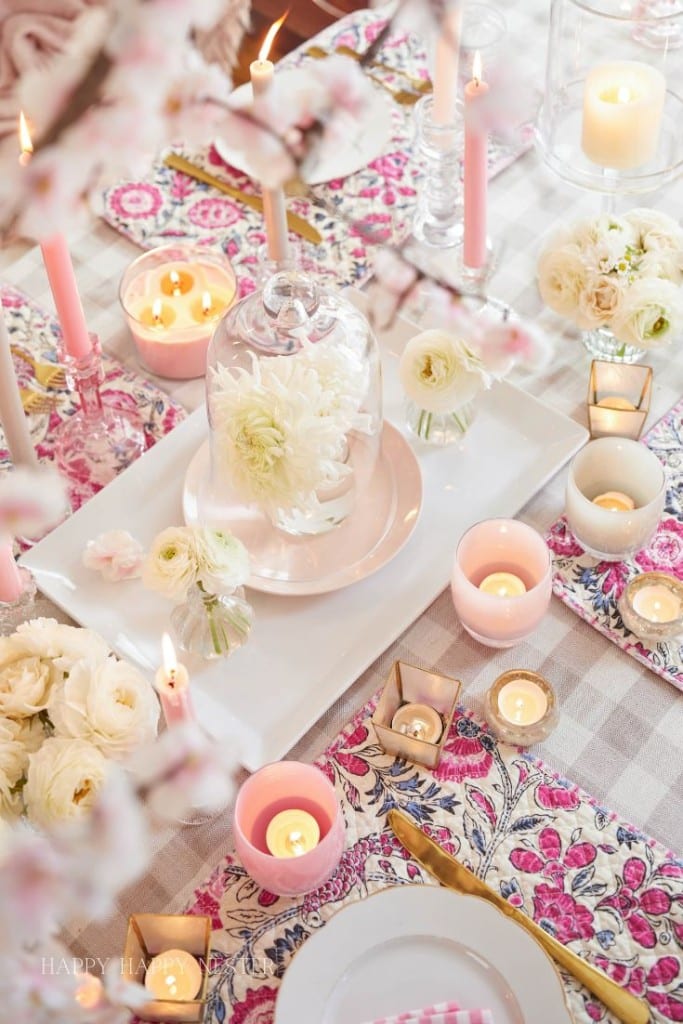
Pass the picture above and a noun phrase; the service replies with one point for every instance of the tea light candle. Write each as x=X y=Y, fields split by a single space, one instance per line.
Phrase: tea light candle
x=503 y=584
x=521 y=707
x=90 y=991
x=173 y=298
x=420 y=721
x=616 y=402
x=651 y=606
x=623 y=103
x=174 y=975
x=292 y=833
x=172 y=682
x=657 y=603
x=615 y=501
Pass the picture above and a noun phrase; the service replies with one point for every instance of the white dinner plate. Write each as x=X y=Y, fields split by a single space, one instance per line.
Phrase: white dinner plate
x=412 y=946
x=303 y=652
x=356 y=142
x=384 y=516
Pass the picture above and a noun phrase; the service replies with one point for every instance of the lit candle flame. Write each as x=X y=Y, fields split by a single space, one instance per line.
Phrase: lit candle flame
x=207 y=303
x=270 y=36
x=175 y=281
x=168 y=656
x=295 y=842
x=477 y=69
x=623 y=94
x=24 y=140
x=156 y=311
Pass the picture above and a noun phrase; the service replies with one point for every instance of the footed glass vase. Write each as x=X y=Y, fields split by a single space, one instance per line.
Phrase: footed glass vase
x=601 y=343
x=212 y=625
x=439 y=428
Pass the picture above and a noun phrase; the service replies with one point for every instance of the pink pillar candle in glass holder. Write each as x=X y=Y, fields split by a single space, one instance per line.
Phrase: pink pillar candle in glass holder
x=288 y=786
x=501 y=552
x=173 y=297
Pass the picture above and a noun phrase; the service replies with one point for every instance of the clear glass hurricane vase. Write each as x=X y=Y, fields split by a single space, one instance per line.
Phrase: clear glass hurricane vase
x=439 y=428
x=602 y=343
x=212 y=625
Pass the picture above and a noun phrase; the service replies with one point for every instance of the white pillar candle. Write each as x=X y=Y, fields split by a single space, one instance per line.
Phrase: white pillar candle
x=522 y=702
x=419 y=721
x=174 y=975
x=623 y=103
x=12 y=417
x=657 y=603
x=292 y=833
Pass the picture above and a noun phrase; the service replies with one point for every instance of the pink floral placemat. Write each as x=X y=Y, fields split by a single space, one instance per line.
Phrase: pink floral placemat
x=592 y=589
x=591 y=880
x=168 y=206
x=46 y=397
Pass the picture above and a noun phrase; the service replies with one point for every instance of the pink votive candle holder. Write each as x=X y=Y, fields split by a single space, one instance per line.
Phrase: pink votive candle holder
x=512 y=549
x=288 y=786
x=173 y=297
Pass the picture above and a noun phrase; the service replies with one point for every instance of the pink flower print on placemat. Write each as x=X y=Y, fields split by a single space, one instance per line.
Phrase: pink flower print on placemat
x=256 y=1008
x=665 y=553
x=214 y=213
x=549 y=860
x=558 y=912
x=467 y=754
x=136 y=200
x=635 y=904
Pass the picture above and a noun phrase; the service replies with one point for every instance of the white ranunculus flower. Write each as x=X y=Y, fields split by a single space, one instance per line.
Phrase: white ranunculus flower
x=664 y=263
x=439 y=373
x=651 y=314
x=599 y=301
x=656 y=230
x=64 y=645
x=171 y=564
x=108 y=703
x=25 y=679
x=64 y=778
x=562 y=275
x=222 y=560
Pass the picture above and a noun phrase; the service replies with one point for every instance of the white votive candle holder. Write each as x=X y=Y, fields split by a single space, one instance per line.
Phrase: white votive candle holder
x=651 y=606
x=621 y=466
x=521 y=707
x=491 y=561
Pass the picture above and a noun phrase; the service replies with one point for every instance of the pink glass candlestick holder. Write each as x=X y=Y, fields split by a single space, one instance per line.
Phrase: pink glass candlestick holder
x=284 y=786
x=98 y=441
x=513 y=549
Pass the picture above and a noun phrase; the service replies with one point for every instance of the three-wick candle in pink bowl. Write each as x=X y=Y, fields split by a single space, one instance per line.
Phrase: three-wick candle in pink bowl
x=289 y=828
x=501 y=581
x=173 y=298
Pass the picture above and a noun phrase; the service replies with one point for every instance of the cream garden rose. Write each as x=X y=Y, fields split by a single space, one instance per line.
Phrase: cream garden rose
x=60 y=644
x=439 y=373
x=25 y=679
x=63 y=780
x=110 y=704
x=562 y=275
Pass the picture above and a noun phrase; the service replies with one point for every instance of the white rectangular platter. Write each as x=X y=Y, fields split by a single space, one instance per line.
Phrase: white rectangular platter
x=304 y=652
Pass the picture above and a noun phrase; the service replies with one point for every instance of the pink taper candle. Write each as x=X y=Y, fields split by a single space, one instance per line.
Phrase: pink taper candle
x=11 y=585
x=262 y=73
x=173 y=686
x=446 y=65
x=62 y=280
x=475 y=182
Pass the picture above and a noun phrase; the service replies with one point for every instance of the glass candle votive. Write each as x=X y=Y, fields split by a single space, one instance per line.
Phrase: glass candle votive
x=282 y=851
x=618 y=398
x=173 y=298
x=521 y=707
x=605 y=479
x=651 y=606
x=501 y=581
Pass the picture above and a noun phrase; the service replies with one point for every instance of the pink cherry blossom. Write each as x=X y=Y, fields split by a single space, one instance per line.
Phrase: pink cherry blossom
x=116 y=554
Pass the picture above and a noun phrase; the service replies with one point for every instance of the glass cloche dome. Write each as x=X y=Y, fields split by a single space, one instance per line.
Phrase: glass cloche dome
x=295 y=420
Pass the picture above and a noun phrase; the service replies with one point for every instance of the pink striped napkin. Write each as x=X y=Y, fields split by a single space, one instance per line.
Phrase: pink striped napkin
x=440 y=1013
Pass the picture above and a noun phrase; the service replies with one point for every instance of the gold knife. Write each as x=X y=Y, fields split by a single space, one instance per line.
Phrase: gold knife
x=295 y=223
x=456 y=876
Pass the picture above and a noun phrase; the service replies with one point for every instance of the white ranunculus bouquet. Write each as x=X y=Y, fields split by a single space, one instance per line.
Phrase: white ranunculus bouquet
x=620 y=273
x=66 y=706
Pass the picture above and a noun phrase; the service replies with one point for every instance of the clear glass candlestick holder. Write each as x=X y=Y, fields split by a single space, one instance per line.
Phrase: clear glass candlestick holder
x=438 y=217
x=99 y=440
x=13 y=613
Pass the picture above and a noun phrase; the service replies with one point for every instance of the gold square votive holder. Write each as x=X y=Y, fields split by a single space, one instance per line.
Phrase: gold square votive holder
x=151 y=935
x=618 y=398
x=409 y=689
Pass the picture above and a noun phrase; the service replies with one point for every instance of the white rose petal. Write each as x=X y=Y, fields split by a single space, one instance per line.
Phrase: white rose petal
x=439 y=373
x=25 y=679
x=651 y=315
x=599 y=301
x=115 y=554
x=64 y=778
x=64 y=645
x=110 y=704
x=656 y=230
x=223 y=561
x=171 y=565
x=562 y=275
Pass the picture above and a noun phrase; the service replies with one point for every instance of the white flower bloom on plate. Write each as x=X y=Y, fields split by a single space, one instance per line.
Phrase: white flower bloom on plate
x=651 y=314
x=61 y=644
x=599 y=301
x=274 y=440
x=171 y=565
x=115 y=554
x=657 y=231
x=222 y=561
x=562 y=275
x=439 y=373
x=63 y=780
x=25 y=679
x=109 y=703
x=343 y=377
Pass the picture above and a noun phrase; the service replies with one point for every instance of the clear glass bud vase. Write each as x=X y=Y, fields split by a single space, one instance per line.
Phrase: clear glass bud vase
x=212 y=625
x=601 y=343
x=439 y=428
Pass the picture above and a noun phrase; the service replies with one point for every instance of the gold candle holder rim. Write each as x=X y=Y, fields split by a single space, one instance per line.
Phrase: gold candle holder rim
x=203 y=958
x=394 y=677
x=529 y=676
x=647 y=579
